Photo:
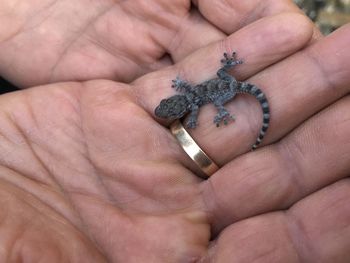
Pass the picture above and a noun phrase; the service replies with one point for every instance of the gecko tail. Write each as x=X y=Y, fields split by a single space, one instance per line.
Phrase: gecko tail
x=253 y=90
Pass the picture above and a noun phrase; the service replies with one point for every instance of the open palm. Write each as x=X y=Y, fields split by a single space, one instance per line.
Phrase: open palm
x=50 y=41
x=89 y=175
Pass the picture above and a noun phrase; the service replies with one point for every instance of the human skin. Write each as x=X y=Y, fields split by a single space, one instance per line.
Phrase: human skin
x=88 y=174
x=46 y=41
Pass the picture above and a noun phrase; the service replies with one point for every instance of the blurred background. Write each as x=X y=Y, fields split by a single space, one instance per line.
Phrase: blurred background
x=327 y=14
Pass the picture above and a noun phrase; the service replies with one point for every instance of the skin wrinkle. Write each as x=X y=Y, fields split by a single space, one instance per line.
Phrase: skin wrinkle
x=250 y=235
x=163 y=56
x=52 y=217
x=47 y=192
x=11 y=36
x=113 y=176
x=109 y=26
x=296 y=234
x=49 y=173
x=4 y=161
x=192 y=38
x=25 y=29
x=96 y=42
x=265 y=255
x=54 y=182
x=14 y=173
x=43 y=10
x=108 y=178
x=131 y=60
x=36 y=26
x=287 y=154
x=224 y=5
x=301 y=238
x=291 y=148
x=248 y=180
x=20 y=234
x=28 y=143
x=323 y=73
x=19 y=28
x=122 y=204
x=68 y=195
x=176 y=39
x=336 y=203
x=212 y=197
x=245 y=13
x=34 y=202
x=219 y=203
x=87 y=147
x=94 y=174
x=127 y=186
x=30 y=203
x=77 y=37
x=161 y=22
x=5 y=135
x=34 y=121
x=73 y=189
x=253 y=14
x=252 y=172
x=100 y=180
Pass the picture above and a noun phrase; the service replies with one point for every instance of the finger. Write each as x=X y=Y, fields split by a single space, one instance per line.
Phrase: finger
x=259 y=44
x=310 y=80
x=280 y=40
x=193 y=32
x=229 y=16
x=296 y=89
x=311 y=157
x=314 y=230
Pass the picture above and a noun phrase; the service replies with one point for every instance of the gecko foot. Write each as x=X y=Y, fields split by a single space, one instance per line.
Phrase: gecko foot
x=179 y=84
x=191 y=123
x=224 y=117
x=230 y=61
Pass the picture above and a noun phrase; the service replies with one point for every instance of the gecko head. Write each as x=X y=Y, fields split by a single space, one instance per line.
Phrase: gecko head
x=172 y=108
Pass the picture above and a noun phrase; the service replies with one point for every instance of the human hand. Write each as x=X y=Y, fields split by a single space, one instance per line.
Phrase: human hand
x=51 y=41
x=88 y=175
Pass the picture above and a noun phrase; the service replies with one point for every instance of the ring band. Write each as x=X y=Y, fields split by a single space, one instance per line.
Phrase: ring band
x=207 y=165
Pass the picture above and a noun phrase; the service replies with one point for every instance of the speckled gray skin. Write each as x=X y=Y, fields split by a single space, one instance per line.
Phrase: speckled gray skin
x=217 y=91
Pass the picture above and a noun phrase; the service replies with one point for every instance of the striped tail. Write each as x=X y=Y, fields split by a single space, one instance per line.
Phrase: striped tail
x=244 y=87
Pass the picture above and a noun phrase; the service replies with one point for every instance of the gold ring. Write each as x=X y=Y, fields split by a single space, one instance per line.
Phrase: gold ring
x=207 y=165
